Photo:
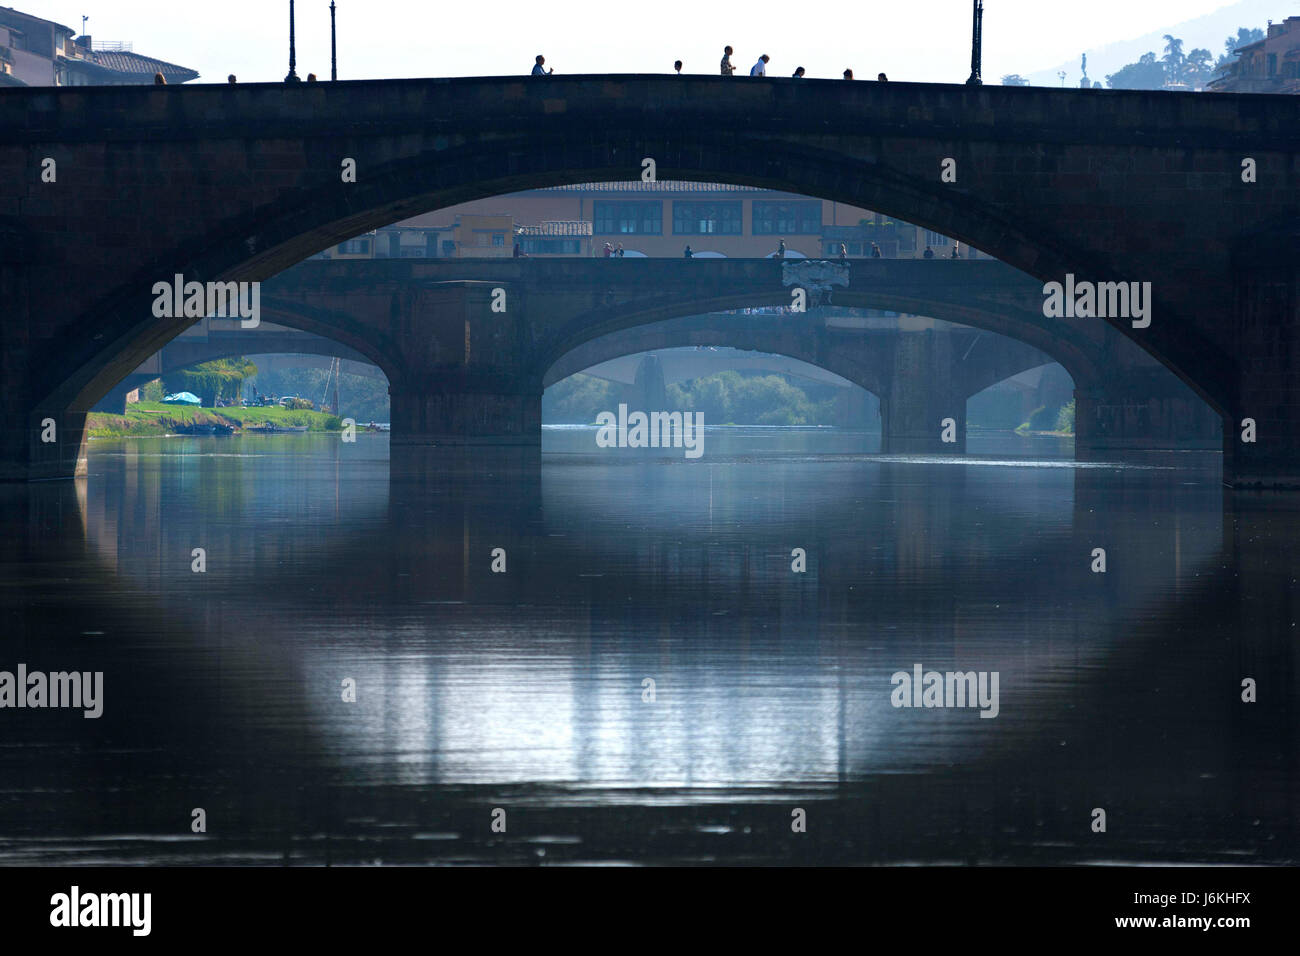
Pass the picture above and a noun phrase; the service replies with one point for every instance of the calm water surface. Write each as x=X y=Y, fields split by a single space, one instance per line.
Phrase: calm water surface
x=524 y=690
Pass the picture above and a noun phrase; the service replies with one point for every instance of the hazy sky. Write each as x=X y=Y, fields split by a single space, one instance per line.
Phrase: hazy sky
x=921 y=40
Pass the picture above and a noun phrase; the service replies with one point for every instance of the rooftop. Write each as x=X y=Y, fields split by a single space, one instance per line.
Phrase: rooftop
x=556 y=228
x=662 y=186
x=125 y=61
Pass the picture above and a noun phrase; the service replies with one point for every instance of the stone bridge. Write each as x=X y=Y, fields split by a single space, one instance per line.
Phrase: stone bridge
x=469 y=344
x=105 y=191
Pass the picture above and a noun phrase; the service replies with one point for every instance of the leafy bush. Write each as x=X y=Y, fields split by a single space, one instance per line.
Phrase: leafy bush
x=1065 y=418
x=210 y=381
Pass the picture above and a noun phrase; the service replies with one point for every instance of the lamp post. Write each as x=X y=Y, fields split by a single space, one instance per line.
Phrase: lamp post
x=976 y=44
x=293 y=53
x=334 y=51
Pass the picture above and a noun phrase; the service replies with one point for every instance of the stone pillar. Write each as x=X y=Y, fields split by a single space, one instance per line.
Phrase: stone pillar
x=115 y=401
x=1266 y=332
x=1153 y=412
x=49 y=443
x=648 y=393
x=920 y=396
x=465 y=418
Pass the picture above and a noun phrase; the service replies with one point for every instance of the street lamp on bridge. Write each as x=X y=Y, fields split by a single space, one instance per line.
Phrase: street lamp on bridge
x=976 y=44
x=293 y=53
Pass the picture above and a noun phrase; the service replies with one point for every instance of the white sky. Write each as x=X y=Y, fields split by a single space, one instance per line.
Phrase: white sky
x=919 y=40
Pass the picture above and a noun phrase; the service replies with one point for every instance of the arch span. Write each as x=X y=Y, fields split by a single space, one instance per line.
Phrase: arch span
x=1050 y=181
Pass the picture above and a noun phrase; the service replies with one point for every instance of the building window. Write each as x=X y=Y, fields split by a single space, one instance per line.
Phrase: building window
x=935 y=239
x=707 y=218
x=788 y=218
x=355 y=247
x=449 y=247
x=498 y=240
x=641 y=218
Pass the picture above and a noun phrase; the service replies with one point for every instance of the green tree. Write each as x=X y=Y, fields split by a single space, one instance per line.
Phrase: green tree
x=1146 y=74
x=1174 y=61
x=1014 y=79
x=579 y=398
x=1245 y=36
x=1065 y=418
x=1200 y=65
x=210 y=381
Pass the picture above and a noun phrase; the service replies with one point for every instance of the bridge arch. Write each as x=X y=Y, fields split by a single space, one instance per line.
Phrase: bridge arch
x=1110 y=185
x=801 y=138
x=1081 y=359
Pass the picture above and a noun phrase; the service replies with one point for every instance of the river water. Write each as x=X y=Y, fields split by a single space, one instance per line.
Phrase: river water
x=523 y=697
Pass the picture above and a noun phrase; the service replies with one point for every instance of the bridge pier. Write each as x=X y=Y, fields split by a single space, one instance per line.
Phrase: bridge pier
x=1141 y=413
x=465 y=418
x=114 y=402
x=920 y=396
x=648 y=393
x=1266 y=340
x=52 y=444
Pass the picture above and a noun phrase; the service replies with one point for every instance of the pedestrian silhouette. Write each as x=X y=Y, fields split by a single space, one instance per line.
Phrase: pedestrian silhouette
x=727 y=67
x=759 y=68
x=677 y=65
x=798 y=73
x=539 y=67
x=882 y=78
x=688 y=254
x=929 y=253
x=848 y=74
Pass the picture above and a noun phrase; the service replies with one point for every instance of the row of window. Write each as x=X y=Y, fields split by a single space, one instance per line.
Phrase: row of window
x=695 y=218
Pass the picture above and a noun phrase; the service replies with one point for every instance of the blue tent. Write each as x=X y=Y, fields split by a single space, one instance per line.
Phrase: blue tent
x=182 y=398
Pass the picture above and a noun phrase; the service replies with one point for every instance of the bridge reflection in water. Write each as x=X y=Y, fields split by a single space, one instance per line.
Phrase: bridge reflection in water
x=524 y=690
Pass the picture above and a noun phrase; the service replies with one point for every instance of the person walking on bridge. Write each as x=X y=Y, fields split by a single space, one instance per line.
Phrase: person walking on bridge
x=727 y=67
x=539 y=67
x=759 y=68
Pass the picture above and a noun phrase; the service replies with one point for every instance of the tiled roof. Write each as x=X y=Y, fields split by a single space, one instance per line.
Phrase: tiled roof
x=663 y=186
x=556 y=228
x=134 y=63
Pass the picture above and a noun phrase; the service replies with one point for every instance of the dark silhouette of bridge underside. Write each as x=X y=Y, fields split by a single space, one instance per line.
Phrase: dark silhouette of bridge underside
x=240 y=182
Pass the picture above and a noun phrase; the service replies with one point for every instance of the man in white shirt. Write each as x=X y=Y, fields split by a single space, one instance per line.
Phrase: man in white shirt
x=759 y=68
